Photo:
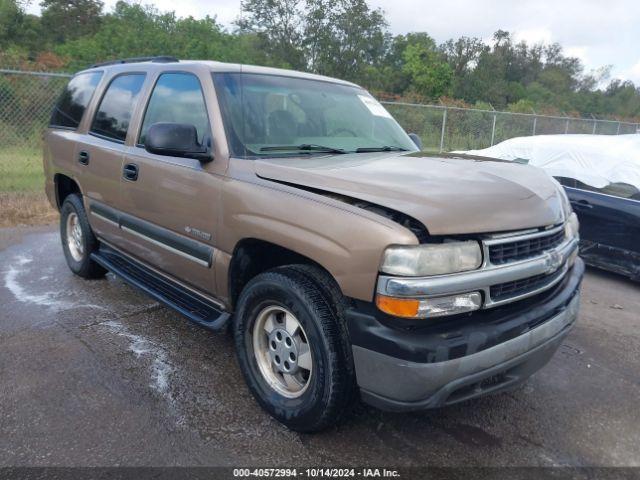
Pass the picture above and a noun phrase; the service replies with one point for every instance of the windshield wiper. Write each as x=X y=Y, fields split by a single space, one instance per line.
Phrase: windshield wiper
x=386 y=148
x=304 y=147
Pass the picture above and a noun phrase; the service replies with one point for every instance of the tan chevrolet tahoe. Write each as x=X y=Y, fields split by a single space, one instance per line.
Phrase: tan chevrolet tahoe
x=292 y=209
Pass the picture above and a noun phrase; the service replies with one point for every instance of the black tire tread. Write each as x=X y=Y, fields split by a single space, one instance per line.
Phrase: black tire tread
x=325 y=302
x=86 y=268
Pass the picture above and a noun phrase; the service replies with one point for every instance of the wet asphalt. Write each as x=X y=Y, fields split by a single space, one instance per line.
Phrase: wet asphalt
x=94 y=373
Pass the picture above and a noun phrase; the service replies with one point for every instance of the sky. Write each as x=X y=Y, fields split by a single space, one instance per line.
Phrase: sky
x=599 y=32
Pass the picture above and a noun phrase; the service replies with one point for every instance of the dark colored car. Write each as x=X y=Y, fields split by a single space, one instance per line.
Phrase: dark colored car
x=609 y=225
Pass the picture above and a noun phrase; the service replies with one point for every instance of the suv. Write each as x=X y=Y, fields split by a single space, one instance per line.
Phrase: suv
x=293 y=209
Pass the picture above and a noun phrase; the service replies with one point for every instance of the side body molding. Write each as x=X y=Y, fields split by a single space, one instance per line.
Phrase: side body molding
x=188 y=248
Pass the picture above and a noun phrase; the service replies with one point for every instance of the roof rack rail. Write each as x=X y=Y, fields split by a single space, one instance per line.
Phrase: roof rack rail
x=158 y=59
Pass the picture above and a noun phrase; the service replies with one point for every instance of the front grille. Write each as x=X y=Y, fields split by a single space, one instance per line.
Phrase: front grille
x=516 y=288
x=522 y=249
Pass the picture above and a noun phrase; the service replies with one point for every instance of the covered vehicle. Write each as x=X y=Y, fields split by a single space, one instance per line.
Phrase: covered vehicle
x=601 y=175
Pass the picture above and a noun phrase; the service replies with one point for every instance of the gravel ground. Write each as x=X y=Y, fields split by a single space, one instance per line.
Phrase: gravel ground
x=93 y=373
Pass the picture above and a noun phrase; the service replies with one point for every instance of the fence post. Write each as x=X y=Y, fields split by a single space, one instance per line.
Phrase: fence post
x=535 y=121
x=595 y=124
x=566 y=127
x=618 y=129
x=493 y=129
x=444 y=123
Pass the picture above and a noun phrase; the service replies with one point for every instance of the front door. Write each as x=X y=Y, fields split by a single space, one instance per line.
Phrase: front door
x=170 y=203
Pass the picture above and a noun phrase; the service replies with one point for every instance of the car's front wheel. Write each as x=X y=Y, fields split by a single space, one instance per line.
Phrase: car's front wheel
x=293 y=349
x=78 y=240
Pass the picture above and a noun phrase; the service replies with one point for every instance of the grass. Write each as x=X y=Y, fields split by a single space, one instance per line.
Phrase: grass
x=25 y=208
x=21 y=169
x=22 y=198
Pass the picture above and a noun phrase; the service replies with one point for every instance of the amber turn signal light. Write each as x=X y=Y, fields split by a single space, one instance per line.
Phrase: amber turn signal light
x=398 y=307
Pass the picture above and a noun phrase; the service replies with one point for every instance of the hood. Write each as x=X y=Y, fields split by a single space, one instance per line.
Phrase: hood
x=448 y=194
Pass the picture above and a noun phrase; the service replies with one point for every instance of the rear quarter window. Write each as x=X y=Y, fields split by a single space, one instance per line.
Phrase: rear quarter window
x=74 y=100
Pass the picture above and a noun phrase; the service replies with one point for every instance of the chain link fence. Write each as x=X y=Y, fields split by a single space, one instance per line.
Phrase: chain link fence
x=443 y=128
x=27 y=98
x=26 y=101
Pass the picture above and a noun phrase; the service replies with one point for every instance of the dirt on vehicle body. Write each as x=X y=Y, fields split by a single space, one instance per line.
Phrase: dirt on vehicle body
x=295 y=209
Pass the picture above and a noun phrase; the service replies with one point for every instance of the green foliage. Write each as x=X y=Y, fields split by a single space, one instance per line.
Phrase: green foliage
x=521 y=106
x=431 y=76
x=19 y=32
x=342 y=38
x=133 y=30
x=278 y=28
x=69 y=19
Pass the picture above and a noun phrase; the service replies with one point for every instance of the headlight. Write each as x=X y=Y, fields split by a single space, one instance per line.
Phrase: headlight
x=572 y=226
x=431 y=259
x=566 y=204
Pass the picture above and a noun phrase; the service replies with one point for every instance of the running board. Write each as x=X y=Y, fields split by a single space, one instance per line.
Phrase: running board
x=193 y=306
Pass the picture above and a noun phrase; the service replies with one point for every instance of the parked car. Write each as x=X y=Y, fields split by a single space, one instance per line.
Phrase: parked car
x=293 y=209
x=601 y=174
x=609 y=225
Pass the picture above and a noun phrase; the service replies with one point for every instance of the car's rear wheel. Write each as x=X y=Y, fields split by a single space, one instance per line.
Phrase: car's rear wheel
x=293 y=348
x=78 y=240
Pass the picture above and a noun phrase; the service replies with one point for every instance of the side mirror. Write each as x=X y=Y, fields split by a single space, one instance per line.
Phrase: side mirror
x=416 y=139
x=176 y=140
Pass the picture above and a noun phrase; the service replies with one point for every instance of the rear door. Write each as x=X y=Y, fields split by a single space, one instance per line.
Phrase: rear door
x=170 y=204
x=66 y=128
x=100 y=153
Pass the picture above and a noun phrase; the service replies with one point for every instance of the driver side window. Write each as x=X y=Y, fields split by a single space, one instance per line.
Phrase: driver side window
x=177 y=98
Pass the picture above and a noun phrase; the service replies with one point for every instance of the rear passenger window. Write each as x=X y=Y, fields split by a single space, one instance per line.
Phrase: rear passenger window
x=74 y=100
x=176 y=98
x=114 y=114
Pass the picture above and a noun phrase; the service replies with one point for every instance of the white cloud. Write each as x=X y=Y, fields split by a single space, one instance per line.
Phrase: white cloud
x=579 y=52
x=533 y=35
x=632 y=74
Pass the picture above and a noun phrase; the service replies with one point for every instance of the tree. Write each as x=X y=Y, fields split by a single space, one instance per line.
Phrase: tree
x=462 y=54
x=430 y=74
x=279 y=27
x=134 y=30
x=10 y=18
x=19 y=32
x=344 y=37
x=70 y=19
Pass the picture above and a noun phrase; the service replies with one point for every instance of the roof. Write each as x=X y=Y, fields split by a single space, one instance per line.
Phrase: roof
x=169 y=63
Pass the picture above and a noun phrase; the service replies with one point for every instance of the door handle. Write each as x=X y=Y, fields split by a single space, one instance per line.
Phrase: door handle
x=83 y=157
x=130 y=172
x=581 y=205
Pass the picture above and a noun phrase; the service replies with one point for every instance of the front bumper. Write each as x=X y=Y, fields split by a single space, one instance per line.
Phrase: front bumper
x=481 y=353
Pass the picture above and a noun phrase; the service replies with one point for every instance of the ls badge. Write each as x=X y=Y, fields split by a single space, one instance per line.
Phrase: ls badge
x=194 y=232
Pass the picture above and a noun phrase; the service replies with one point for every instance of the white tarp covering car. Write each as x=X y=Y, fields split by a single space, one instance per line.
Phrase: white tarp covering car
x=596 y=160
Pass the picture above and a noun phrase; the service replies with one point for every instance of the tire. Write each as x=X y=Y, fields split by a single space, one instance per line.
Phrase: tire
x=77 y=251
x=315 y=302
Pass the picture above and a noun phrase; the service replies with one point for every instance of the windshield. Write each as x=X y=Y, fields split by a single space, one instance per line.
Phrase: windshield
x=269 y=115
